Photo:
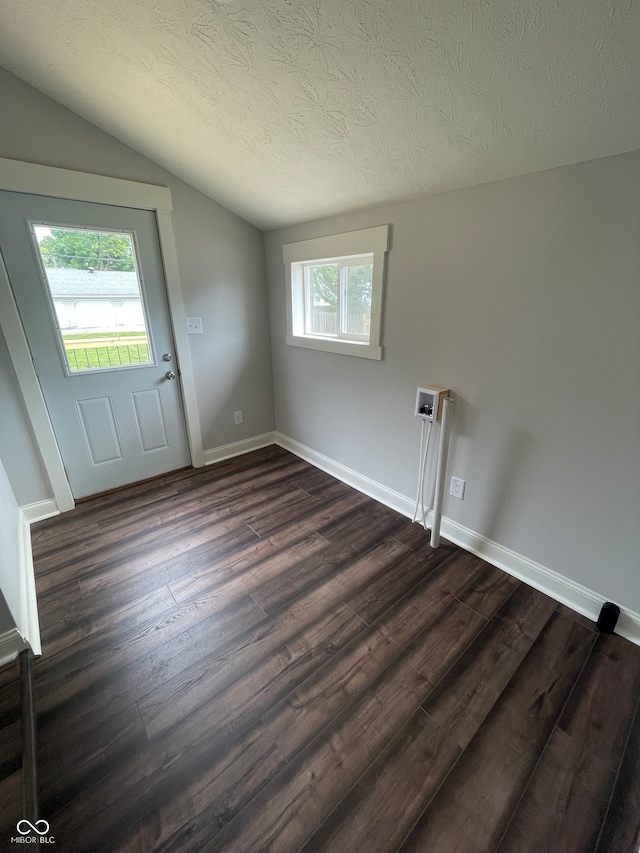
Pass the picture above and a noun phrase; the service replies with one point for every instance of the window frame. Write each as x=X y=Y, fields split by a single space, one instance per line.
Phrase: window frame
x=336 y=248
x=49 y=297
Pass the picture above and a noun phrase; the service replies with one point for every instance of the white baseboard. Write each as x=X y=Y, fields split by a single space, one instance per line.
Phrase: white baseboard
x=562 y=589
x=11 y=644
x=237 y=448
x=39 y=510
x=369 y=487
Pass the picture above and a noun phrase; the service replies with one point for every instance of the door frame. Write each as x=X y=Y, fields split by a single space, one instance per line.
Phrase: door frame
x=34 y=179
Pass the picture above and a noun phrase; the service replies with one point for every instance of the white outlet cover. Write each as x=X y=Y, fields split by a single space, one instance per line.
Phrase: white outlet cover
x=194 y=325
x=457 y=487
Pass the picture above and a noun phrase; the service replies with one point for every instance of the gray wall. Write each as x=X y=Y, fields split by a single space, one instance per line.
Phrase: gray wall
x=522 y=296
x=221 y=267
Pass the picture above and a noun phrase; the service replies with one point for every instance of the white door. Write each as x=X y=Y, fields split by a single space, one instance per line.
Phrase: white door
x=89 y=286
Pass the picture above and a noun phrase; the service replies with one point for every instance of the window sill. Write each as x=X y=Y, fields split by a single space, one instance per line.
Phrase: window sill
x=353 y=348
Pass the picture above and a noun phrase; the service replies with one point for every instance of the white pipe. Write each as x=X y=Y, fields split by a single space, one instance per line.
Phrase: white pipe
x=415 y=511
x=424 y=466
x=447 y=406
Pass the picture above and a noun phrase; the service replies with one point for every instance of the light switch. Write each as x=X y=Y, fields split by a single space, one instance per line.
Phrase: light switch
x=194 y=325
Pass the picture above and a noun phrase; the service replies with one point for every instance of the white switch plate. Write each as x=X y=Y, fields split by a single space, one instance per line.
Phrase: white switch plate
x=237 y=418
x=194 y=325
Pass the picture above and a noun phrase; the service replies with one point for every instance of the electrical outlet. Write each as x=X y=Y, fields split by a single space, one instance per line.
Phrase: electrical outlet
x=457 y=488
x=237 y=418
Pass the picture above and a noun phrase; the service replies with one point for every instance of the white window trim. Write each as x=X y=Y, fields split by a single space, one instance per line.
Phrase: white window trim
x=367 y=241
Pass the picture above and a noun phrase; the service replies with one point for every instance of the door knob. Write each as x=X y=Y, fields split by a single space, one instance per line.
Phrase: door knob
x=166 y=356
x=169 y=375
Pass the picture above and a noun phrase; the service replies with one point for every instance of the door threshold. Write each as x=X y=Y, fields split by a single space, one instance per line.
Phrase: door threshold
x=128 y=485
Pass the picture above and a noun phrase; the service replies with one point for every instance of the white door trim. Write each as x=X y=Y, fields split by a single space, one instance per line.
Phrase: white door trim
x=17 y=176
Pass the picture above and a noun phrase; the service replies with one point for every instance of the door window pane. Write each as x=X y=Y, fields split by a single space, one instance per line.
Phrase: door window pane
x=94 y=285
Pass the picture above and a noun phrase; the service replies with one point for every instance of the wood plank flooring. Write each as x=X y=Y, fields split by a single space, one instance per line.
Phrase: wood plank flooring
x=255 y=657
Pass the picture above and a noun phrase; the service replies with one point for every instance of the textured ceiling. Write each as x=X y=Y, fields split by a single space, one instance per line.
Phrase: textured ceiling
x=288 y=110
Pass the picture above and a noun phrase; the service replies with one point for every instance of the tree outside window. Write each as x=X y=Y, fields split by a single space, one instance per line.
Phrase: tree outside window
x=339 y=298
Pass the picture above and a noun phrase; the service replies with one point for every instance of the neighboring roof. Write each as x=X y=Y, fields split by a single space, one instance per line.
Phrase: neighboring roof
x=288 y=111
x=80 y=283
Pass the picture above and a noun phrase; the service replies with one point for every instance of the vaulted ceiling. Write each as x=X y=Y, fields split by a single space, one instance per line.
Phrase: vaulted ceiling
x=289 y=110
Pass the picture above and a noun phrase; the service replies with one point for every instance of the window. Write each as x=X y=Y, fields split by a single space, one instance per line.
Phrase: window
x=92 y=280
x=334 y=292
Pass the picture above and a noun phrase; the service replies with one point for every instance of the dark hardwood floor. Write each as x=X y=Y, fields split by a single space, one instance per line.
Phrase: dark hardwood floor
x=255 y=657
